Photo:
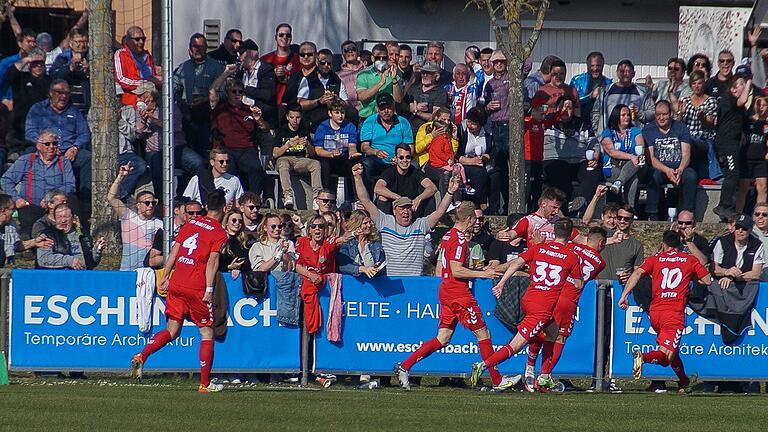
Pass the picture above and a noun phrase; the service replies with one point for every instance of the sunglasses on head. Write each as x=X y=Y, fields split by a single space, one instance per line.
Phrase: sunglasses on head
x=276 y=226
x=195 y=213
x=317 y=226
x=306 y=54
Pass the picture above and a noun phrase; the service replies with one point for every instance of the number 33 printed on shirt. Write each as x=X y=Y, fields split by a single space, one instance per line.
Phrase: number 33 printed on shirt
x=547 y=273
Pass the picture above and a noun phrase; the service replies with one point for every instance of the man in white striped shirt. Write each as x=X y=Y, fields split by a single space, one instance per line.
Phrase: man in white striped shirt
x=403 y=238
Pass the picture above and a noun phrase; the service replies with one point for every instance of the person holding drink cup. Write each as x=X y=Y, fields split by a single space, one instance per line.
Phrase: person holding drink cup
x=427 y=97
x=623 y=157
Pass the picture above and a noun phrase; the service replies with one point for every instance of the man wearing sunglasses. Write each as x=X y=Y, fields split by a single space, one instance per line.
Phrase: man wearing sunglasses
x=137 y=227
x=693 y=242
x=284 y=58
x=760 y=230
x=405 y=180
x=134 y=65
x=34 y=174
x=215 y=178
x=380 y=78
x=673 y=88
x=318 y=90
x=718 y=85
x=227 y=53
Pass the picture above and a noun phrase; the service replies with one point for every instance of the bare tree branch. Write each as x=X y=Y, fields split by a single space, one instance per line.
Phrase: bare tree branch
x=536 y=28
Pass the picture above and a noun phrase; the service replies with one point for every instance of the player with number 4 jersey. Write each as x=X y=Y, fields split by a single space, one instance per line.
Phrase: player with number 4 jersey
x=551 y=265
x=194 y=260
x=671 y=272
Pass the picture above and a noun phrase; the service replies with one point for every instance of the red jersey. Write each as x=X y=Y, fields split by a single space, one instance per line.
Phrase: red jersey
x=291 y=63
x=671 y=272
x=533 y=138
x=440 y=151
x=454 y=246
x=322 y=260
x=591 y=265
x=551 y=265
x=198 y=239
x=532 y=223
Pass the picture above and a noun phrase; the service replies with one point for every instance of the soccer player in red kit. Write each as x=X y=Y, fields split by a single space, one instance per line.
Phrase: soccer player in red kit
x=194 y=260
x=551 y=264
x=539 y=226
x=457 y=304
x=564 y=315
x=671 y=271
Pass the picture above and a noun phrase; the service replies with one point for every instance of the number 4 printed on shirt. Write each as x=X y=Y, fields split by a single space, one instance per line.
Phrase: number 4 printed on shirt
x=190 y=243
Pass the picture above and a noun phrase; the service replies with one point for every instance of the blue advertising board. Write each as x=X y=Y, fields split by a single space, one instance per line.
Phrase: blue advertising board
x=387 y=318
x=87 y=320
x=701 y=348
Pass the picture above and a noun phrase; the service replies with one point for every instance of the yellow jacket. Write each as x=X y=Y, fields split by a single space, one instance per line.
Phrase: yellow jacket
x=423 y=140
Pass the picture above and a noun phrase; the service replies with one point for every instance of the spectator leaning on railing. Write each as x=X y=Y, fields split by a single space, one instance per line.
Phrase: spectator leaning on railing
x=137 y=227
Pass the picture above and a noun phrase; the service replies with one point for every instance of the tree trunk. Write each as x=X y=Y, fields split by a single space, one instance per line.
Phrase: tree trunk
x=517 y=185
x=102 y=118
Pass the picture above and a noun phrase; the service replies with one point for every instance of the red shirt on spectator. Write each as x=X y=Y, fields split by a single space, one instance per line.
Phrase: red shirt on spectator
x=321 y=261
x=291 y=63
x=128 y=75
x=440 y=151
x=236 y=125
x=554 y=93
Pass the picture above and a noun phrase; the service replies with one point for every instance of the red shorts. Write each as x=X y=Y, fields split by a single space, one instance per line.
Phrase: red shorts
x=182 y=303
x=669 y=326
x=565 y=315
x=538 y=314
x=462 y=309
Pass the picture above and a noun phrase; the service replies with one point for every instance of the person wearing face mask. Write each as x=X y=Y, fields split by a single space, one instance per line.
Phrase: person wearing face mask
x=381 y=77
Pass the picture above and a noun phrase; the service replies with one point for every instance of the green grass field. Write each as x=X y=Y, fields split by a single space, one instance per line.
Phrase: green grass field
x=173 y=405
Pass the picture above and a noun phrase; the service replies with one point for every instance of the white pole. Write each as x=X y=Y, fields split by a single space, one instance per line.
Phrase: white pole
x=167 y=141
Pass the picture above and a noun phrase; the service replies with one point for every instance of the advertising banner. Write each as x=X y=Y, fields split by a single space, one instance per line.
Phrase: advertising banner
x=701 y=347
x=387 y=318
x=88 y=321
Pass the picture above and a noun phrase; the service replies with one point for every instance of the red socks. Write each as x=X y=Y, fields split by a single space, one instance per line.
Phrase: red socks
x=158 y=341
x=677 y=366
x=534 y=346
x=499 y=356
x=555 y=350
x=206 y=361
x=656 y=357
x=486 y=350
x=424 y=350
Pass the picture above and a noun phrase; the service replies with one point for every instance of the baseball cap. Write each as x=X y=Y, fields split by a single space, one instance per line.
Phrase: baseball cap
x=744 y=71
x=744 y=221
x=384 y=99
x=402 y=202
x=430 y=67
x=249 y=44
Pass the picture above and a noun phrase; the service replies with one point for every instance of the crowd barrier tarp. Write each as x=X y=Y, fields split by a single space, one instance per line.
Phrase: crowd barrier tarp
x=387 y=318
x=701 y=348
x=87 y=320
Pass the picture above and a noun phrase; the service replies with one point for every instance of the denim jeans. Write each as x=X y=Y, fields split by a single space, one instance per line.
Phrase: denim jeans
x=139 y=168
x=184 y=157
x=686 y=190
x=288 y=286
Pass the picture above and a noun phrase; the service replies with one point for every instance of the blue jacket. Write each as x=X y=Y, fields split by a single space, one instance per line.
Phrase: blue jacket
x=581 y=83
x=70 y=123
x=349 y=251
